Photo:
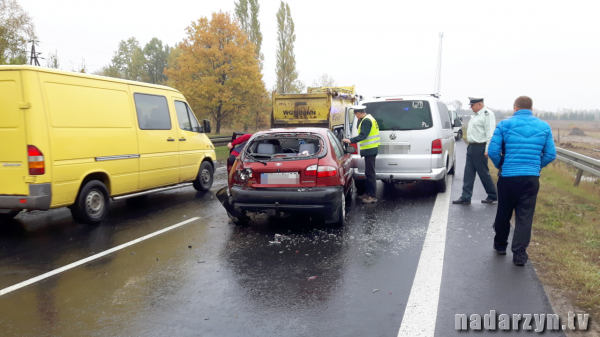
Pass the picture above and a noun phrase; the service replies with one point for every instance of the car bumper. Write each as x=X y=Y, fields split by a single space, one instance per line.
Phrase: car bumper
x=39 y=198
x=435 y=174
x=316 y=201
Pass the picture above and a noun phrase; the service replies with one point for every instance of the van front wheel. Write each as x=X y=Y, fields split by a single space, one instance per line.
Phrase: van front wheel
x=91 y=205
x=204 y=180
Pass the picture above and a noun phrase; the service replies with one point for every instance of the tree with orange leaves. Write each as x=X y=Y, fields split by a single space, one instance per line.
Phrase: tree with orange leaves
x=217 y=70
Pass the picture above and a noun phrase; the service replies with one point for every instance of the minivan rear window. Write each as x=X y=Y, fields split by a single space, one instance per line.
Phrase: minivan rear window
x=401 y=115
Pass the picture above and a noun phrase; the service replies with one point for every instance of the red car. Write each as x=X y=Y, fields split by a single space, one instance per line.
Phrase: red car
x=292 y=170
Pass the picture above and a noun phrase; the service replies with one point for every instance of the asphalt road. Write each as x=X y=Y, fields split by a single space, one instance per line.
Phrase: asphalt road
x=209 y=277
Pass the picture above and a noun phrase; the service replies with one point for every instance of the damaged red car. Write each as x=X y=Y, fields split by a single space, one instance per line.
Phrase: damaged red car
x=286 y=171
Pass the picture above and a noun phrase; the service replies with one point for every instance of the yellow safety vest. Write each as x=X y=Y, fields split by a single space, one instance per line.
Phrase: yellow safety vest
x=372 y=141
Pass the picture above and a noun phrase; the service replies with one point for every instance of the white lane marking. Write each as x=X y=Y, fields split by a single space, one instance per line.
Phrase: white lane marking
x=421 y=310
x=93 y=257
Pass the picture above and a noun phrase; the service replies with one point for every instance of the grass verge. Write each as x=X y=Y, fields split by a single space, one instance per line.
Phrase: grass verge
x=222 y=153
x=565 y=245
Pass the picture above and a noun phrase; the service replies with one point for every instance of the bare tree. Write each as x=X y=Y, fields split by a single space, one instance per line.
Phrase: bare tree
x=324 y=80
x=52 y=60
x=16 y=29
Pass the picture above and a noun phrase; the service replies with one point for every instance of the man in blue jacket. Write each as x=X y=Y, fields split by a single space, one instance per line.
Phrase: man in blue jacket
x=521 y=146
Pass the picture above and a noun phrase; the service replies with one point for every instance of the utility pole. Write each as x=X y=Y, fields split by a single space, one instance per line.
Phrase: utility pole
x=438 y=73
x=34 y=56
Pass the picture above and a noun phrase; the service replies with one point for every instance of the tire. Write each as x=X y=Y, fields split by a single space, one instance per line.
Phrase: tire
x=340 y=214
x=453 y=169
x=204 y=180
x=361 y=186
x=240 y=221
x=91 y=205
x=459 y=135
x=8 y=216
x=348 y=195
x=440 y=185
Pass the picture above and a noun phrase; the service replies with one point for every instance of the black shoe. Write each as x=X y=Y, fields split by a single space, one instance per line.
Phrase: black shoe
x=519 y=264
x=488 y=201
x=500 y=252
x=462 y=201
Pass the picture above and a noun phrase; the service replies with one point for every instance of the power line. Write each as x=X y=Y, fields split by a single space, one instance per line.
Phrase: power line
x=94 y=51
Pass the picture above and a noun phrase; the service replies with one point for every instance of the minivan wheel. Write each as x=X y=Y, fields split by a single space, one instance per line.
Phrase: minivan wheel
x=91 y=205
x=453 y=169
x=440 y=185
x=361 y=186
x=204 y=180
x=9 y=215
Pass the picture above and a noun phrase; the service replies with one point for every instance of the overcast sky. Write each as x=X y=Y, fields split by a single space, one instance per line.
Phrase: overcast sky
x=549 y=50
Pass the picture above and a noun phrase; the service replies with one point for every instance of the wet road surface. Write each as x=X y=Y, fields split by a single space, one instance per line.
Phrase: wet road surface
x=212 y=278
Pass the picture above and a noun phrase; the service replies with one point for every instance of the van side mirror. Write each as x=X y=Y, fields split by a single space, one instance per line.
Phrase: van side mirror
x=457 y=123
x=206 y=125
x=350 y=149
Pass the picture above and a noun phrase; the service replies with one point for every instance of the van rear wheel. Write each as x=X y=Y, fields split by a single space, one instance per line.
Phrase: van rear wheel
x=440 y=185
x=91 y=205
x=204 y=180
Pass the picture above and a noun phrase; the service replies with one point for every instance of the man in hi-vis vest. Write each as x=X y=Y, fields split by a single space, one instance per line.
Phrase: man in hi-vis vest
x=368 y=141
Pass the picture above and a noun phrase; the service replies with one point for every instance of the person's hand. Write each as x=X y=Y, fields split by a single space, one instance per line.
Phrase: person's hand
x=486 y=155
x=229 y=146
x=347 y=141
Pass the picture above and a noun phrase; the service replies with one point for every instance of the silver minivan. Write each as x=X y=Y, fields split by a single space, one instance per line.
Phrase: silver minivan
x=417 y=140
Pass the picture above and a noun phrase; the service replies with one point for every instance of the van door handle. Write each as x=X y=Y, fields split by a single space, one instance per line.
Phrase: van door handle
x=170 y=140
x=182 y=139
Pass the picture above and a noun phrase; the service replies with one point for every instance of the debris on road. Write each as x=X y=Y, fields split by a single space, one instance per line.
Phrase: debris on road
x=132 y=253
x=375 y=290
x=190 y=246
x=312 y=278
x=201 y=261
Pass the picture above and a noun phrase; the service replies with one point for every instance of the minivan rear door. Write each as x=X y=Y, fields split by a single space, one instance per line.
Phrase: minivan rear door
x=13 y=139
x=405 y=132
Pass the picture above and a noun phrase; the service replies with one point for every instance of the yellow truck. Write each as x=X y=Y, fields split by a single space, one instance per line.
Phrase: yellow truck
x=324 y=107
x=77 y=140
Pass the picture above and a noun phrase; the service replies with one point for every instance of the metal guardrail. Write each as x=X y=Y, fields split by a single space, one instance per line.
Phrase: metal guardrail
x=220 y=141
x=583 y=163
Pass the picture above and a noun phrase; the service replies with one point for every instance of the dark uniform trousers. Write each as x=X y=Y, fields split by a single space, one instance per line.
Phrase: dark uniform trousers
x=518 y=194
x=370 y=173
x=477 y=163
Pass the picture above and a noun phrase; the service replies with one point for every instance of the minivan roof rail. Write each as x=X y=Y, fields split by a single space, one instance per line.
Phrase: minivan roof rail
x=434 y=95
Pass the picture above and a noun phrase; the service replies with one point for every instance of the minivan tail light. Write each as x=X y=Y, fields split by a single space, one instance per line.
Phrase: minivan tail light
x=36 y=161
x=354 y=145
x=326 y=171
x=436 y=146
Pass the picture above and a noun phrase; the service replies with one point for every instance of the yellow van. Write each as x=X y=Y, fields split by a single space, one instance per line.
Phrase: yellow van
x=77 y=140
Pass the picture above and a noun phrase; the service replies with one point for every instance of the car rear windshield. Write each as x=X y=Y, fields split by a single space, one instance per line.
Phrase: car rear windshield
x=401 y=115
x=285 y=147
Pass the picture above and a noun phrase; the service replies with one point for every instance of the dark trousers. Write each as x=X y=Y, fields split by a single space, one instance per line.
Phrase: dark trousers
x=477 y=163
x=517 y=194
x=370 y=173
x=231 y=160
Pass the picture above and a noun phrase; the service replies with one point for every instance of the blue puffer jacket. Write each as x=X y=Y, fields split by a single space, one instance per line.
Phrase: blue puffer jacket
x=528 y=144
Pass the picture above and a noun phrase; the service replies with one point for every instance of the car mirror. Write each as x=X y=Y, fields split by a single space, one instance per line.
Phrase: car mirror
x=457 y=123
x=350 y=149
x=206 y=124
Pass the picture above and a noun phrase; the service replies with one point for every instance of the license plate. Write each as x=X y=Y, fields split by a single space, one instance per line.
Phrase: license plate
x=394 y=149
x=287 y=178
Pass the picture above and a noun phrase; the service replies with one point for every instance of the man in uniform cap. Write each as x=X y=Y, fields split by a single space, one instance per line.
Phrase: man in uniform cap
x=479 y=133
x=368 y=141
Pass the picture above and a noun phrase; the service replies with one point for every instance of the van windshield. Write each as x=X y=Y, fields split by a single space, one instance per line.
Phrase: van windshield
x=285 y=147
x=401 y=115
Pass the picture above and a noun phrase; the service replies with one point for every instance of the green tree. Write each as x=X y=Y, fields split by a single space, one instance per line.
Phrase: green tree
x=247 y=13
x=287 y=75
x=217 y=71
x=16 y=29
x=157 y=59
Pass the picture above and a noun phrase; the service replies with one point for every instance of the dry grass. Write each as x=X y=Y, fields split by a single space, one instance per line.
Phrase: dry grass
x=565 y=245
